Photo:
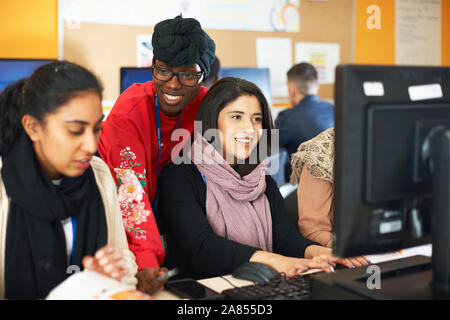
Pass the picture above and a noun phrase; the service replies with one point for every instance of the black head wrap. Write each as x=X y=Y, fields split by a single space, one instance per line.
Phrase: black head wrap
x=182 y=42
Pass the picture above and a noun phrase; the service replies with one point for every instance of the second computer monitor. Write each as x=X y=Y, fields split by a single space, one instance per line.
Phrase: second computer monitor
x=383 y=188
x=12 y=70
x=130 y=75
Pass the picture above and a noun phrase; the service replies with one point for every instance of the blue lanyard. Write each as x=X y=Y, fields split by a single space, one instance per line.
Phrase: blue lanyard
x=158 y=135
x=74 y=230
x=203 y=177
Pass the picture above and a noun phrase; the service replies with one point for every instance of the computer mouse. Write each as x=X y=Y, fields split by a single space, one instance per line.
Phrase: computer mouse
x=256 y=272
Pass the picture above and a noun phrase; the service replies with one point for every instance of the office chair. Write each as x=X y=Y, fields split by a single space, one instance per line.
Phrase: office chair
x=289 y=193
x=277 y=166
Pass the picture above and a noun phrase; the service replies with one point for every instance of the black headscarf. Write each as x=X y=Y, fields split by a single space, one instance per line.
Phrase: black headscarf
x=35 y=254
x=182 y=42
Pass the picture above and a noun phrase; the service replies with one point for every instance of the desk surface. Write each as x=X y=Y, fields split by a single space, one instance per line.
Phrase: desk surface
x=220 y=284
x=217 y=284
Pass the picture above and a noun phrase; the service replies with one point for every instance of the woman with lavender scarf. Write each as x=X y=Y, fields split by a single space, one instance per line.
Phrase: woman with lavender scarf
x=218 y=207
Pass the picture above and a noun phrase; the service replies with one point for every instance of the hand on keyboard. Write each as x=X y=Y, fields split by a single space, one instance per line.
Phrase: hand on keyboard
x=353 y=262
x=295 y=288
x=290 y=266
x=324 y=254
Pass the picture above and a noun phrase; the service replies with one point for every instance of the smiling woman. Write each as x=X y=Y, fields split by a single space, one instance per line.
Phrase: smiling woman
x=238 y=110
x=137 y=140
x=175 y=86
x=240 y=127
x=223 y=209
x=57 y=200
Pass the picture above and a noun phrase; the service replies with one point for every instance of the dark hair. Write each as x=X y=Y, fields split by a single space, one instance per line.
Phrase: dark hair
x=222 y=93
x=49 y=87
x=304 y=75
x=213 y=74
x=182 y=42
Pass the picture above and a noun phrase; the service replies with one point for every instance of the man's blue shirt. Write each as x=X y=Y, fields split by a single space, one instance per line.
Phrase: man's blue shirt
x=307 y=119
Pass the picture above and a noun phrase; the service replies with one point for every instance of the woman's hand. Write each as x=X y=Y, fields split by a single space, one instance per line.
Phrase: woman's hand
x=294 y=266
x=354 y=261
x=289 y=265
x=107 y=261
x=147 y=279
x=322 y=253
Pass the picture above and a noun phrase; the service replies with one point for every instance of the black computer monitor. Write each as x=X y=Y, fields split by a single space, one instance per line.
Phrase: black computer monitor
x=259 y=76
x=392 y=160
x=12 y=70
x=130 y=75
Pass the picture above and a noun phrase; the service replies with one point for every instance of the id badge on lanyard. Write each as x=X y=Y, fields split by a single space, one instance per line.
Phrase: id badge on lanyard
x=158 y=136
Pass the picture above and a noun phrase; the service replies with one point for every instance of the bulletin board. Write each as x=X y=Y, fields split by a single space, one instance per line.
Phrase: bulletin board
x=377 y=45
x=104 y=48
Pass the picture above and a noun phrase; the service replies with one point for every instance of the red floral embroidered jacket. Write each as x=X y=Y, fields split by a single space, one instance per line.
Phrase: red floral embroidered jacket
x=129 y=146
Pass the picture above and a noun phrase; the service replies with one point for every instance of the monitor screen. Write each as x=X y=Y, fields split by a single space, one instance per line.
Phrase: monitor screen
x=259 y=76
x=383 y=191
x=130 y=75
x=12 y=70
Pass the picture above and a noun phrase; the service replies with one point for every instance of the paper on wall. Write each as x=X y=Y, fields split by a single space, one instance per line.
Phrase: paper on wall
x=252 y=15
x=275 y=54
x=418 y=32
x=323 y=56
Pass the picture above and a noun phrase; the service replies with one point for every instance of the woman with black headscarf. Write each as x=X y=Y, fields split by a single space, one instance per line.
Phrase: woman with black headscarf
x=140 y=135
x=58 y=207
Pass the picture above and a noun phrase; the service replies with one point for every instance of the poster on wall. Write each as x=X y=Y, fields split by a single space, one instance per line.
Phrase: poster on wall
x=418 y=32
x=144 y=50
x=323 y=56
x=251 y=15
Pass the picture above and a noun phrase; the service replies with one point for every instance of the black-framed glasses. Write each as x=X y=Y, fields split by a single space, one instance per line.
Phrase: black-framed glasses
x=187 y=79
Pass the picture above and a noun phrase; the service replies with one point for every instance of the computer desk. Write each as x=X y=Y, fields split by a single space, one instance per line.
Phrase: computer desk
x=325 y=284
x=217 y=284
x=335 y=286
x=344 y=284
x=399 y=275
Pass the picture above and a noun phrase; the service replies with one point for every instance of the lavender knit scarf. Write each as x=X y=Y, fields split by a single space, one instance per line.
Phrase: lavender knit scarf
x=236 y=207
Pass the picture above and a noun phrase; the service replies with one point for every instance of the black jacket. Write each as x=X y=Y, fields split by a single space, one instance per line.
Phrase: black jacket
x=192 y=246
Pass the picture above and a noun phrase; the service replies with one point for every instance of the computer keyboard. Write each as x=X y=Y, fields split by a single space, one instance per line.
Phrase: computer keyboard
x=295 y=288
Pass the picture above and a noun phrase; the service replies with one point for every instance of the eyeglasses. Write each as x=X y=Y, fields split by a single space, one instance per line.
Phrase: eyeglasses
x=187 y=79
